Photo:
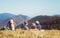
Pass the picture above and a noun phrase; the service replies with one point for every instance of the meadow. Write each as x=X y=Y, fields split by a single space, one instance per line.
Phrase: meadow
x=32 y=33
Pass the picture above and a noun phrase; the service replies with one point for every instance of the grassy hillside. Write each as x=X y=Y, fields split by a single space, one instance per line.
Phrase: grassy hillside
x=30 y=34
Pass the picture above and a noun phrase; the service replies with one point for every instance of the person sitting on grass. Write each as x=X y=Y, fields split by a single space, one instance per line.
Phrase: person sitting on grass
x=11 y=25
x=8 y=27
x=25 y=25
x=34 y=26
x=38 y=25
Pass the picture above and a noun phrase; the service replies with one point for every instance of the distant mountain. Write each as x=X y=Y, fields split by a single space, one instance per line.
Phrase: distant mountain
x=45 y=19
x=57 y=15
x=17 y=18
x=20 y=19
x=24 y=17
x=39 y=18
x=5 y=16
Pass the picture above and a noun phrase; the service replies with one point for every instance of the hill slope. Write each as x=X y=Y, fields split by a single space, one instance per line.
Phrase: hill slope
x=17 y=18
x=5 y=16
x=47 y=22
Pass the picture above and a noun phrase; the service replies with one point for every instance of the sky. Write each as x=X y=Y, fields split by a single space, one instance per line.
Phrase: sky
x=30 y=7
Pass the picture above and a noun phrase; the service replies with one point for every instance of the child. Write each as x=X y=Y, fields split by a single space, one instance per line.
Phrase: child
x=38 y=25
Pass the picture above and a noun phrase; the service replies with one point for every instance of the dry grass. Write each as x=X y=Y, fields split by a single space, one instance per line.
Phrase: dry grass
x=30 y=34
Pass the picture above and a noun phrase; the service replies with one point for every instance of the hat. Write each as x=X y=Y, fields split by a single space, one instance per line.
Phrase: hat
x=37 y=22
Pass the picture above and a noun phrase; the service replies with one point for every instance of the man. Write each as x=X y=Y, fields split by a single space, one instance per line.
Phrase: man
x=38 y=25
x=34 y=26
x=25 y=25
x=12 y=24
x=8 y=27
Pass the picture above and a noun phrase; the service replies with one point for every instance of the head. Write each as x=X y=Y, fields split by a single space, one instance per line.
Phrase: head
x=26 y=22
x=37 y=22
x=11 y=21
x=33 y=24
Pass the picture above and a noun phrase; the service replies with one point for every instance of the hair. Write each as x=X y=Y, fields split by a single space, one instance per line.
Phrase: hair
x=36 y=23
x=25 y=22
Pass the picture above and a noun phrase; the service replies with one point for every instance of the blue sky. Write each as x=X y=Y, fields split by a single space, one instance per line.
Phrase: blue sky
x=30 y=7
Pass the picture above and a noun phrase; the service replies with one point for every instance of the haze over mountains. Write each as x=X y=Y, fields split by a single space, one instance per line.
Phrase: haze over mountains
x=19 y=19
x=5 y=16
